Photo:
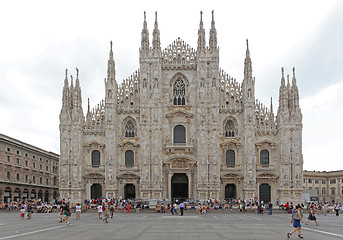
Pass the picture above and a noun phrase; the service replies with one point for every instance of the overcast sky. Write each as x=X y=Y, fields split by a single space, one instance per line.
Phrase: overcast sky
x=39 y=39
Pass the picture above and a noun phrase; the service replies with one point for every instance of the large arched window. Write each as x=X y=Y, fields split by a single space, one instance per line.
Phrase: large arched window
x=229 y=130
x=129 y=158
x=179 y=134
x=264 y=157
x=230 y=158
x=129 y=129
x=179 y=92
x=95 y=158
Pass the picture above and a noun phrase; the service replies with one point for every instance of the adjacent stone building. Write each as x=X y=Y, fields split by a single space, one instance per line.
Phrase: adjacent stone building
x=180 y=127
x=27 y=172
x=328 y=186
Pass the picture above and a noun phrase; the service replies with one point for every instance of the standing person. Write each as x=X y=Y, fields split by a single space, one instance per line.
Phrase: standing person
x=182 y=207
x=127 y=207
x=203 y=209
x=112 y=210
x=336 y=208
x=326 y=207
x=270 y=208
x=296 y=219
x=100 y=211
x=78 y=211
x=22 y=213
x=29 y=211
x=311 y=217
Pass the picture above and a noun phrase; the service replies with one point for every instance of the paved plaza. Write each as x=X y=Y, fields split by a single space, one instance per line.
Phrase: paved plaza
x=150 y=226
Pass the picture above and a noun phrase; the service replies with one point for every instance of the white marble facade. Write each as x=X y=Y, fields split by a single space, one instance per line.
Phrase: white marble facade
x=181 y=127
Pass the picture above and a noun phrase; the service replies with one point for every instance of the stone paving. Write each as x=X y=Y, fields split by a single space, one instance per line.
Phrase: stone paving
x=151 y=226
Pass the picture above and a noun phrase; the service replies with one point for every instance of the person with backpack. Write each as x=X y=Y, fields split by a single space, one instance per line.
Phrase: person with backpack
x=296 y=220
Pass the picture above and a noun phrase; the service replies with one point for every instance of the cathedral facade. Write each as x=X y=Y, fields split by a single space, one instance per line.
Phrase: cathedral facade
x=181 y=128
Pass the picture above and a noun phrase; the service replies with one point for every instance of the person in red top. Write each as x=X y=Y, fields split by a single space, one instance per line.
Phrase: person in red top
x=127 y=208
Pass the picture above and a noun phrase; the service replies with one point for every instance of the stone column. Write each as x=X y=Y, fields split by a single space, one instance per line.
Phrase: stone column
x=169 y=185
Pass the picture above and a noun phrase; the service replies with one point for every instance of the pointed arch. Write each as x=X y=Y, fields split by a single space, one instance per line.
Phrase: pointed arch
x=230 y=127
x=179 y=85
x=129 y=128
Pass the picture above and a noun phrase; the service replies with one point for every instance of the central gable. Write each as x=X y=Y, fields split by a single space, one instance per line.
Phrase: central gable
x=179 y=55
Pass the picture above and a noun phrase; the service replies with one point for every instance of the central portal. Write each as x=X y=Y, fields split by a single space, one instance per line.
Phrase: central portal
x=179 y=187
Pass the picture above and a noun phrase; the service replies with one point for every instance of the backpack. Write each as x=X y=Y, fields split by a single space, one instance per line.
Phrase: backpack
x=295 y=215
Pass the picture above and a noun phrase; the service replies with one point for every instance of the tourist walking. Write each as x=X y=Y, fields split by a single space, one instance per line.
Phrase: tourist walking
x=67 y=214
x=112 y=210
x=106 y=215
x=336 y=208
x=182 y=207
x=311 y=217
x=296 y=219
x=175 y=208
x=171 y=208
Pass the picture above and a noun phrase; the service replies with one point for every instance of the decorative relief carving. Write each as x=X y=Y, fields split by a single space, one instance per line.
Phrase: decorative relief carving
x=179 y=164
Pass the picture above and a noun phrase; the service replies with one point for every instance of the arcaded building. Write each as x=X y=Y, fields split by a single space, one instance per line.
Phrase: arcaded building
x=328 y=185
x=27 y=172
x=180 y=127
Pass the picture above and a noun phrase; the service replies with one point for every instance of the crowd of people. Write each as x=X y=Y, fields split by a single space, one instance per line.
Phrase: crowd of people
x=107 y=207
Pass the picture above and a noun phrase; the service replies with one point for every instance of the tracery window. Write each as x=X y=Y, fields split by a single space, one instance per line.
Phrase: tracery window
x=129 y=158
x=179 y=134
x=179 y=92
x=8 y=176
x=229 y=129
x=95 y=158
x=230 y=158
x=129 y=129
x=264 y=157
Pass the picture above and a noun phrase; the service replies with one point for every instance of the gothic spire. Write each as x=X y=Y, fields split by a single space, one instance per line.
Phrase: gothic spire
x=282 y=77
x=295 y=91
x=294 y=81
x=77 y=83
x=213 y=34
x=111 y=65
x=156 y=37
x=271 y=105
x=145 y=35
x=201 y=36
x=66 y=83
x=247 y=64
